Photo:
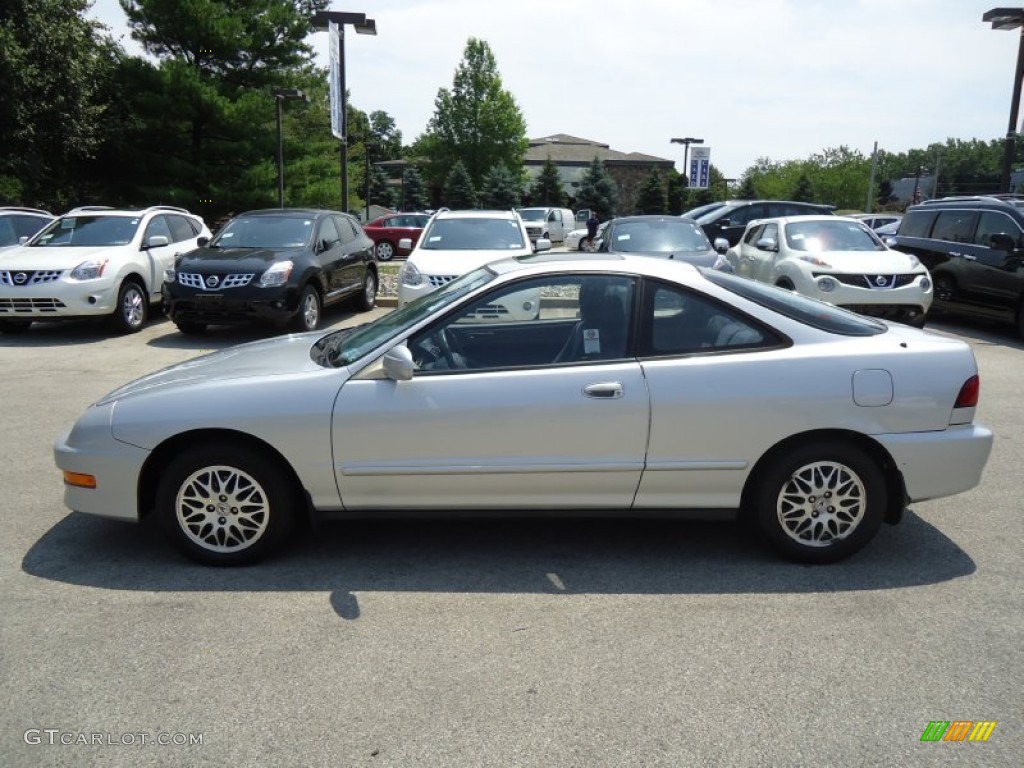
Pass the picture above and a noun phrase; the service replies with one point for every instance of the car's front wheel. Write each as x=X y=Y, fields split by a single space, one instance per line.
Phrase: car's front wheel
x=310 y=309
x=385 y=251
x=821 y=502
x=15 y=326
x=225 y=504
x=132 y=308
x=190 y=328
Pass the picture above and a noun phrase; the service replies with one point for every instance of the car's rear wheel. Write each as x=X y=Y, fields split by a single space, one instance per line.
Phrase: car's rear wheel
x=225 y=504
x=310 y=310
x=368 y=296
x=385 y=251
x=821 y=502
x=15 y=326
x=132 y=308
x=190 y=328
x=785 y=283
x=945 y=288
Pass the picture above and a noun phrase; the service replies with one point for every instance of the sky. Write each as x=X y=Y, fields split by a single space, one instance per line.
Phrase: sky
x=781 y=79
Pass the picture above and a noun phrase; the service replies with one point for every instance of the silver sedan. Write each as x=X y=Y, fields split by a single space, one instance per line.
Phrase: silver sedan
x=640 y=386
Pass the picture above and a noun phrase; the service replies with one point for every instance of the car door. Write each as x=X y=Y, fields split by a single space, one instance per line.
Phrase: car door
x=329 y=258
x=358 y=251
x=996 y=256
x=158 y=255
x=953 y=233
x=732 y=224
x=763 y=258
x=542 y=422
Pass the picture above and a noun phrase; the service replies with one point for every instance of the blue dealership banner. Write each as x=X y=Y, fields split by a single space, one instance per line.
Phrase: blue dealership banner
x=700 y=168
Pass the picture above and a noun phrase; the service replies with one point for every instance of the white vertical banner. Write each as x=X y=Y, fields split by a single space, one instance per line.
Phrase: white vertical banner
x=334 y=78
x=700 y=167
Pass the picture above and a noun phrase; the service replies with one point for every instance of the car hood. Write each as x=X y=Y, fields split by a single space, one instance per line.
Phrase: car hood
x=279 y=356
x=460 y=262
x=57 y=257
x=233 y=259
x=866 y=262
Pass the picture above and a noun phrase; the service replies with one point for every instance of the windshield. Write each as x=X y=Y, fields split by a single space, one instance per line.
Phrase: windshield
x=817 y=314
x=533 y=214
x=348 y=345
x=835 y=235
x=73 y=231
x=662 y=236
x=472 y=234
x=265 y=232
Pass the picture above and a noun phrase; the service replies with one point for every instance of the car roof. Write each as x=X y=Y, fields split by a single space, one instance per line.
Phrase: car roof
x=475 y=214
x=106 y=210
x=547 y=261
x=655 y=217
x=287 y=212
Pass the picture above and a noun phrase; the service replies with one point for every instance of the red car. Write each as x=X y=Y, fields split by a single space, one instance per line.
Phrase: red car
x=387 y=231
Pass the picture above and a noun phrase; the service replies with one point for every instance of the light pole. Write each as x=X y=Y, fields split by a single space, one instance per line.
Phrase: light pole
x=280 y=95
x=686 y=154
x=1010 y=18
x=334 y=22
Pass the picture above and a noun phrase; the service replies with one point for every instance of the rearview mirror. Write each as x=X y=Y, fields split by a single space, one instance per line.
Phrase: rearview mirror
x=398 y=363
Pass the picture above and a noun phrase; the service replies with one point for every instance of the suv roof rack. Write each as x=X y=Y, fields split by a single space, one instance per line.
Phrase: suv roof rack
x=22 y=209
x=174 y=208
x=85 y=208
x=995 y=197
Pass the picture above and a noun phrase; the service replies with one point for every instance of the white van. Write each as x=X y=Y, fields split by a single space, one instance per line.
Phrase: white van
x=550 y=223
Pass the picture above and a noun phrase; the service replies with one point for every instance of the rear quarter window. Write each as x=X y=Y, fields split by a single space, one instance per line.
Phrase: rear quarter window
x=917 y=223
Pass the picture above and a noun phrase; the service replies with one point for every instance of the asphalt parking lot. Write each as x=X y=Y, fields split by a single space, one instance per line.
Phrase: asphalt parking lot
x=537 y=643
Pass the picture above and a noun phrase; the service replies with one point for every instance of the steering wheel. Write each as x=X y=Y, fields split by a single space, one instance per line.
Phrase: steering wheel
x=449 y=350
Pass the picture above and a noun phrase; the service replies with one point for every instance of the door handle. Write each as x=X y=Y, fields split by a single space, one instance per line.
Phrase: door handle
x=955 y=253
x=608 y=390
x=970 y=257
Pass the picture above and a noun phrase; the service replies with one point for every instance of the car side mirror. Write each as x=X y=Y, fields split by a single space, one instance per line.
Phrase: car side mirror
x=1002 y=241
x=398 y=363
x=767 y=244
x=542 y=244
x=157 y=241
x=22 y=240
x=405 y=243
x=724 y=223
x=721 y=245
x=203 y=241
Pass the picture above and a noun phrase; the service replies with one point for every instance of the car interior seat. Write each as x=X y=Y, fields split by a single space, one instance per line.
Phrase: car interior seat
x=600 y=333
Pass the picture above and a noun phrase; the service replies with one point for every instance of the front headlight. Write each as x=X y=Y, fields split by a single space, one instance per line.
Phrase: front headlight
x=278 y=274
x=89 y=270
x=827 y=284
x=410 y=276
x=926 y=284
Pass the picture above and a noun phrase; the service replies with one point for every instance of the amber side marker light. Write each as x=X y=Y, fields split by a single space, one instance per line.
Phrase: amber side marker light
x=79 y=479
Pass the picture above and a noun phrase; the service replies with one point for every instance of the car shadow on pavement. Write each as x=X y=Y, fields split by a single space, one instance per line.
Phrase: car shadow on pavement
x=575 y=556
x=976 y=330
x=61 y=333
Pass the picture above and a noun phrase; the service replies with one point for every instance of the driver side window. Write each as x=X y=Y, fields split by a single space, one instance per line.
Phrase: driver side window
x=554 y=320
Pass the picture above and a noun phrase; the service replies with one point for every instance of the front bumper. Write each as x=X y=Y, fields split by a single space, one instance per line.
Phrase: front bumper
x=233 y=305
x=60 y=298
x=90 y=448
x=937 y=464
x=906 y=303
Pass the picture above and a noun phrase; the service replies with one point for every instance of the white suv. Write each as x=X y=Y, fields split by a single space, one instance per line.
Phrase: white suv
x=95 y=261
x=456 y=242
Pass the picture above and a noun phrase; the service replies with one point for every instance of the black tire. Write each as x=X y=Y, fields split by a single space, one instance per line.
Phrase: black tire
x=310 y=312
x=132 y=308
x=384 y=251
x=15 y=326
x=190 y=328
x=236 y=504
x=945 y=288
x=786 y=284
x=821 y=502
x=368 y=295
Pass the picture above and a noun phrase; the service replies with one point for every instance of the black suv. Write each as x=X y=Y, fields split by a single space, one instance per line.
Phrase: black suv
x=730 y=220
x=974 y=248
x=281 y=265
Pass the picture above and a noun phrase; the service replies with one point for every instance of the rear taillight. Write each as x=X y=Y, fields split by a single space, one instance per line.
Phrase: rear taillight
x=968 y=397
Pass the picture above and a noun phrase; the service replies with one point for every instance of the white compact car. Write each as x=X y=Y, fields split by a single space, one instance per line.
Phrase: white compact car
x=456 y=242
x=95 y=262
x=834 y=259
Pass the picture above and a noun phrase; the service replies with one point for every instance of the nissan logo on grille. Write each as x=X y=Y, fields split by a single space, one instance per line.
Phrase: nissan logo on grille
x=880 y=281
x=211 y=281
x=20 y=278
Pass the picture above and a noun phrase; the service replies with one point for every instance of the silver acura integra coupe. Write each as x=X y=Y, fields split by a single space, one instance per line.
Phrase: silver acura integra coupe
x=639 y=385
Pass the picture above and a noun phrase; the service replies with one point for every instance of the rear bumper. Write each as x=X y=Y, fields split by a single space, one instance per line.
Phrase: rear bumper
x=937 y=464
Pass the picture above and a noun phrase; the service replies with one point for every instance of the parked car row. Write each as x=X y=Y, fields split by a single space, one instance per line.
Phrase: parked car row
x=280 y=266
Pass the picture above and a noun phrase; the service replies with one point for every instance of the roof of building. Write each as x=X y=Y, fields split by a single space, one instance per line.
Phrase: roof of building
x=572 y=150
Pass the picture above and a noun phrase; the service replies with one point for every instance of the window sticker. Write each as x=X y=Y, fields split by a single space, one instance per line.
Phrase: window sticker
x=591 y=341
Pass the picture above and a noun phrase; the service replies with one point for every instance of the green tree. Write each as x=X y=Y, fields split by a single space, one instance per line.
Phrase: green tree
x=477 y=122
x=598 y=191
x=414 y=190
x=56 y=70
x=802 y=192
x=381 y=192
x=746 y=190
x=547 y=189
x=459 y=191
x=501 y=189
x=653 y=195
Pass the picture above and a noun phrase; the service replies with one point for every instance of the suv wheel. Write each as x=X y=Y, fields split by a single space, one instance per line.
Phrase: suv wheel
x=132 y=309
x=308 y=317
